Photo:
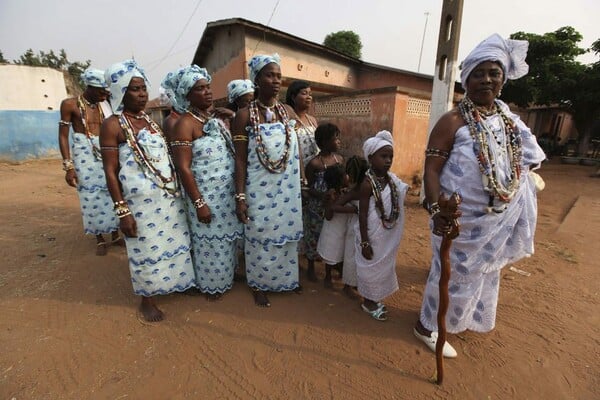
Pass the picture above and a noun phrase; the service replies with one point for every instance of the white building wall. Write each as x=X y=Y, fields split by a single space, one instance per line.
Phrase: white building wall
x=31 y=88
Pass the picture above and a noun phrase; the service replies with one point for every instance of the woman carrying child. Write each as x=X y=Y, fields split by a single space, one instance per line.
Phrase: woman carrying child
x=380 y=227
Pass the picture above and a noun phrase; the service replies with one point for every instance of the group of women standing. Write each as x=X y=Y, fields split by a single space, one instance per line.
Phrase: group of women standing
x=242 y=178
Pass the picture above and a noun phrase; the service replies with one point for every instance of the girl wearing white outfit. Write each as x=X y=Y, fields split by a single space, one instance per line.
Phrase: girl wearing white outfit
x=380 y=227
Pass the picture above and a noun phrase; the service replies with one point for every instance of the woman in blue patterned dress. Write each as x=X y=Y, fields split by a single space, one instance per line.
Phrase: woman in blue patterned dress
x=142 y=182
x=204 y=159
x=267 y=181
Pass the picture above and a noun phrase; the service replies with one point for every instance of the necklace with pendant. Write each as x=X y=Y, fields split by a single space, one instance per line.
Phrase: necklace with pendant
x=269 y=114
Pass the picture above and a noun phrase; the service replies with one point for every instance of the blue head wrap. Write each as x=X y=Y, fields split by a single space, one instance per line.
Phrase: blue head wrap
x=170 y=83
x=509 y=53
x=239 y=87
x=257 y=63
x=94 y=77
x=118 y=77
x=188 y=78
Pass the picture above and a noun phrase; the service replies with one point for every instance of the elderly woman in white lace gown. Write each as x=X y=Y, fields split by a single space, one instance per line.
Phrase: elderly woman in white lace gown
x=483 y=152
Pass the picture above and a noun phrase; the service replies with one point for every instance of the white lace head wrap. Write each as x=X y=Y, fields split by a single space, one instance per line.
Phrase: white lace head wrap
x=509 y=53
x=372 y=144
x=257 y=63
x=94 y=77
x=118 y=77
x=239 y=87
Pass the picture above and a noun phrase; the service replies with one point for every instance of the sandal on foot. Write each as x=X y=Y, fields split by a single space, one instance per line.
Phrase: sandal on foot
x=379 y=313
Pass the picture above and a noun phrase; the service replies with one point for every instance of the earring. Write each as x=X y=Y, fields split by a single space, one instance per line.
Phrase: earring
x=499 y=93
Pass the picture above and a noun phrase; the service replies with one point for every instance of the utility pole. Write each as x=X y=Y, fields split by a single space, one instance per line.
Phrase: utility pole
x=423 y=41
x=446 y=64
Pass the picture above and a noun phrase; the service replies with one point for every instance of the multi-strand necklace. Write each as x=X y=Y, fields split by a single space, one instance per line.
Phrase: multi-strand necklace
x=82 y=104
x=273 y=166
x=390 y=221
x=146 y=162
x=511 y=145
x=196 y=113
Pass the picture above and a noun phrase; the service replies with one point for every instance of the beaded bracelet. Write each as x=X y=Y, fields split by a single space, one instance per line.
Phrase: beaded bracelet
x=432 y=152
x=240 y=138
x=68 y=165
x=240 y=197
x=434 y=209
x=64 y=123
x=123 y=215
x=365 y=244
x=199 y=203
x=184 y=143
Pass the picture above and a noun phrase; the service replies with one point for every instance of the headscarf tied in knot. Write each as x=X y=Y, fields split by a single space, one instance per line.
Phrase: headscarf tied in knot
x=239 y=87
x=509 y=53
x=94 y=77
x=372 y=144
x=189 y=76
x=257 y=63
x=118 y=77
x=169 y=84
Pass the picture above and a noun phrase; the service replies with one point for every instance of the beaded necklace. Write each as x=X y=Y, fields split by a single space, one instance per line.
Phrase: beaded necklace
x=144 y=160
x=269 y=114
x=488 y=165
x=194 y=112
x=390 y=221
x=273 y=166
x=82 y=104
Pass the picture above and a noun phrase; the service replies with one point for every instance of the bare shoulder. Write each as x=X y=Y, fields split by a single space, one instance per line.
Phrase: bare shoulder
x=442 y=134
x=240 y=121
x=111 y=125
x=290 y=111
x=68 y=104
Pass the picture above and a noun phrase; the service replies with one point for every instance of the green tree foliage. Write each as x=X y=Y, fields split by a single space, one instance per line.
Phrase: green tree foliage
x=346 y=42
x=557 y=78
x=57 y=61
x=2 y=59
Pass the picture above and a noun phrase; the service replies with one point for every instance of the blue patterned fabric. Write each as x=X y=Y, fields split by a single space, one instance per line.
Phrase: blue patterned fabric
x=94 y=77
x=169 y=84
x=487 y=241
x=159 y=257
x=313 y=216
x=94 y=198
x=260 y=61
x=188 y=76
x=118 y=77
x=214 y=244
x=239 y=87
x=275 y=212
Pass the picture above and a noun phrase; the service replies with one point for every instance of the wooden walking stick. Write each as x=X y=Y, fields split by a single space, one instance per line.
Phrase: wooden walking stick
x=449 y=209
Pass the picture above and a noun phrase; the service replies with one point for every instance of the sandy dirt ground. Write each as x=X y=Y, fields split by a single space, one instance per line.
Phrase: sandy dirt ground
x=69 y=328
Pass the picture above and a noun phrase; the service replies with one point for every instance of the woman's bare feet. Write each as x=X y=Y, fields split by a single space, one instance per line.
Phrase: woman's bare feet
x=100 y=246
x=116 y=239
x=260 y=298
x=149 y=310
